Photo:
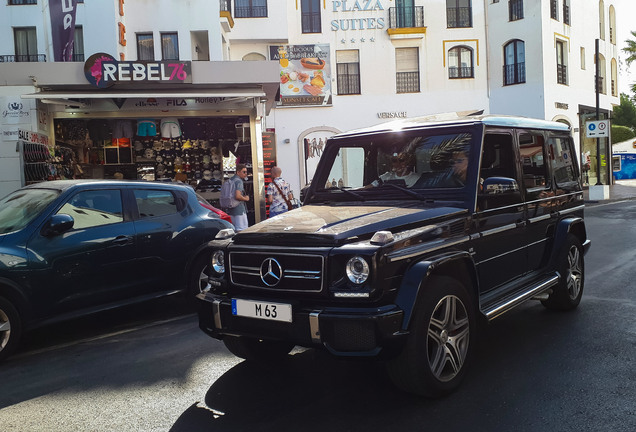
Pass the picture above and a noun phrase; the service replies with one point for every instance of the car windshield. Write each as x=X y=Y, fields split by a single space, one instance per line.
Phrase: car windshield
x=400 y=164
x=19 y=208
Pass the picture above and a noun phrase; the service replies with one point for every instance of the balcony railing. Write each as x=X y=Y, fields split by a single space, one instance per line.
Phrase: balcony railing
x=514 y=73
x=311 y=22
x=226 y=5
x=614 y=88
x=79 y=57
x=601 y=85
x=406 y=17
x=554 y=9
x=407 y=82
x=250 y=11
x=562 y=74
x=22 y=2
x=461 y=72
x=459 y=17
x=22 y=58
x=566 y=14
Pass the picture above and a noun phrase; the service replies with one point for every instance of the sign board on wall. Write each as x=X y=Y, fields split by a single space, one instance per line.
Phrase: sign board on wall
x=597 y=129
x=14 y=110
x=305 y=74
x=269 y=157
x=103 y=71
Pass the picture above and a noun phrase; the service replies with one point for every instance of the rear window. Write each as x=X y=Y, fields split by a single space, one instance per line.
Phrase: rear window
x=152 y=203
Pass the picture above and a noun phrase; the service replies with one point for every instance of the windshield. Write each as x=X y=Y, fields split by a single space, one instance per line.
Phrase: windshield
x=400 y=163
x=19 y=208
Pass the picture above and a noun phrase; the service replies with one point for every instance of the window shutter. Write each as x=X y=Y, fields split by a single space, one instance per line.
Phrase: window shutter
x=347 y=56
x=406 y=60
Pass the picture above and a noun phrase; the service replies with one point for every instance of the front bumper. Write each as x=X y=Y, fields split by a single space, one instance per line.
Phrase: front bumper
x=343 y=331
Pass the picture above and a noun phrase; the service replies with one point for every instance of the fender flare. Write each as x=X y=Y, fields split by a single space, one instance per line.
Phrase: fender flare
x=417 y=276
x=574 y=225
x=13 y=292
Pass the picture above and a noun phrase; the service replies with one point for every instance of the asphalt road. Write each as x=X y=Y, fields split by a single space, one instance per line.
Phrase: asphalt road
x=149 y=368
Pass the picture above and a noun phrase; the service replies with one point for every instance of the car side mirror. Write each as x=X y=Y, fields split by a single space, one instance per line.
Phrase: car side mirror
x=500 y=186
x=57 y=225
x=498 y=192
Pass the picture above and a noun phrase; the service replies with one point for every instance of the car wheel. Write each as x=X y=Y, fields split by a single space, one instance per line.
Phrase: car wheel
x=568 y=292
x=199 y=274
x=438 y=349
x=253 y=349
x=10 y=328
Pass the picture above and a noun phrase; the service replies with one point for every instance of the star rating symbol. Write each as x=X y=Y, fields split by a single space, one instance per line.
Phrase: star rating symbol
x=342 y=40
x=361 y=39
x=372 y=39
x=353 y=40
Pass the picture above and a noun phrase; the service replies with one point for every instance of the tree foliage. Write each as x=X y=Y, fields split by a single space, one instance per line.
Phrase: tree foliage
x=621 y=133
x=625 y=113
x=630 y=50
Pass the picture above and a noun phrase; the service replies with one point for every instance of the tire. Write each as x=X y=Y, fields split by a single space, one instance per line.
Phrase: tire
x=10 y=328
x=568 y=292
x=258 y=350
x=441 y=341
x=198 y=277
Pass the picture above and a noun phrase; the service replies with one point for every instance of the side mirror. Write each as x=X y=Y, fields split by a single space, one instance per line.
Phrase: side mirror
x=500 y=186
x=57 y=225
x=498 y=192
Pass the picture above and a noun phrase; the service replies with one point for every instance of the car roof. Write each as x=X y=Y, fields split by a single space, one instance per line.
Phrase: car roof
x=457 y=119
x=62 y=185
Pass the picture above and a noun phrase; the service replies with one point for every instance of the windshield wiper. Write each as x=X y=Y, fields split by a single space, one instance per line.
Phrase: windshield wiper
x=352 y=193
x=403 y=189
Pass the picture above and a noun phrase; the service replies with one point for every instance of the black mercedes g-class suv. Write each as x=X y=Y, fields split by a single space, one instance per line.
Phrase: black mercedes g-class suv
x=410 y=232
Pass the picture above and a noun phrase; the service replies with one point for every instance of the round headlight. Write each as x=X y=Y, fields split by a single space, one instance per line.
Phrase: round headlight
x=357 y=270
x=218 y=261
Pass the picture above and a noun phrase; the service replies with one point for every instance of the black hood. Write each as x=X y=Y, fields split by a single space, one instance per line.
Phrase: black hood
x=332 y=225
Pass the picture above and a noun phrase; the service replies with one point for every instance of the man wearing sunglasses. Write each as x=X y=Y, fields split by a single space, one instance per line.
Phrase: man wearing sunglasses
x=239 y=213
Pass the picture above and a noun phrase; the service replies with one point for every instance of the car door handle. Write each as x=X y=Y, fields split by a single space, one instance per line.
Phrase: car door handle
x=521 y=224
x=122 y=240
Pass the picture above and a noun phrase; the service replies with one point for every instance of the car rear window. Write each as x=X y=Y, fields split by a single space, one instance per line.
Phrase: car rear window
x=152 y=203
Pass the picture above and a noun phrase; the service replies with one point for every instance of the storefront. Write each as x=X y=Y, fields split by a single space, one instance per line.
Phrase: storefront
x=172 y=121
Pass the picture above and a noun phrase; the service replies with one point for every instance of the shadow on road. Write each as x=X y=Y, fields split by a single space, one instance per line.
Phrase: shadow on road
x=102 y=350
x=527 y=370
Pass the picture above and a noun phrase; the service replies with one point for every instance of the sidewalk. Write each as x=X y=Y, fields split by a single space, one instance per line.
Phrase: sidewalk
x=621 y=190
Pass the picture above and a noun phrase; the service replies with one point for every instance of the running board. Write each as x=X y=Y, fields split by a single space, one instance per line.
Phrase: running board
x=515 y=299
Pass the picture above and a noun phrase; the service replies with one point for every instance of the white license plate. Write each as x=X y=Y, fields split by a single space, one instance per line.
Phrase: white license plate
x=262 y=310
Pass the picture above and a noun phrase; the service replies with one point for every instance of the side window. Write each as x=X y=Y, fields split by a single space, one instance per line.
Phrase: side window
x=497 y=160
x=533 y=163
x=152 y=203
x=94 y=208
x=347 y=169
x=563 y=164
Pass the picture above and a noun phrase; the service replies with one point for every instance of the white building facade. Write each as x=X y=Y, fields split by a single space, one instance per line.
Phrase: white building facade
x=376 y=60
x=518 y=57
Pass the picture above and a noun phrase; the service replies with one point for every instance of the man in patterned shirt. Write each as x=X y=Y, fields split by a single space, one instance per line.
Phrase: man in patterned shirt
x=277 y=203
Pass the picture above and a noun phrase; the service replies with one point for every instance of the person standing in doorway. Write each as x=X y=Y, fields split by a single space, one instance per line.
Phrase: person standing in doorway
x=278 y=194
x=239 y=213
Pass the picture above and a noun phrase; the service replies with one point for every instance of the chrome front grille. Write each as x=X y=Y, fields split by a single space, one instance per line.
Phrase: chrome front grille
x=277 y=271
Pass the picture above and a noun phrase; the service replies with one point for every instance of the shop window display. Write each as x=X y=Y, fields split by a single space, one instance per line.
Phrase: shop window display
x=200 y=151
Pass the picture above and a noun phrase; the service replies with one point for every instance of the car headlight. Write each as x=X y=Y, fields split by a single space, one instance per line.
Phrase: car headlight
x=218 y=261
x=357 y=270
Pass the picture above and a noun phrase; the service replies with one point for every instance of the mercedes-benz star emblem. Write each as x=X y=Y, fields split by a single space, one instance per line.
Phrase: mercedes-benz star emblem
x=271 y=272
